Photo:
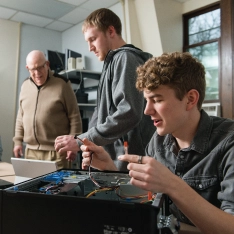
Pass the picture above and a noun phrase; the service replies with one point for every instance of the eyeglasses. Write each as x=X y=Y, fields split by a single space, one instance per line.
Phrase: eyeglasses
x=39 y=69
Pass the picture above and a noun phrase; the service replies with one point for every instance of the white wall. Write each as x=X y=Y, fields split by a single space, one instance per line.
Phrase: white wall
x=171 y=26
x=148 y=26
x=9 y=52
x=132 y=25
x=196 y=4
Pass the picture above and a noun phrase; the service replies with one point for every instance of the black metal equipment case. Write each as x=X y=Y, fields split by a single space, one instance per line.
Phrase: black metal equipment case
x=75 y=201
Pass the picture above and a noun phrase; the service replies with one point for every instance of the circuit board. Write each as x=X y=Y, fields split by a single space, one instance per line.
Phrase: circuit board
x=95 y=185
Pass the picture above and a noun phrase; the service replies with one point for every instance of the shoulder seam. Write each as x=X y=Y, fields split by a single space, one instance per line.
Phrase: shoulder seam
x=61 y=77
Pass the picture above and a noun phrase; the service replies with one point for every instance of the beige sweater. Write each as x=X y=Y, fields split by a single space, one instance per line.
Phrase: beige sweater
x=47 y=112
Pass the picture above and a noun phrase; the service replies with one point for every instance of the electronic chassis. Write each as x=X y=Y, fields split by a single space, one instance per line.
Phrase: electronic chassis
x=80 y=201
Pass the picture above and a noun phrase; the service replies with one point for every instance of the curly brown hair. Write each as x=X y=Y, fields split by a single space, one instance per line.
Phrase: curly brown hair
x=102 y=19
x=179 y=71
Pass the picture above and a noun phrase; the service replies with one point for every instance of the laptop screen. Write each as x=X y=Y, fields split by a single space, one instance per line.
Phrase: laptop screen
x=26 y=169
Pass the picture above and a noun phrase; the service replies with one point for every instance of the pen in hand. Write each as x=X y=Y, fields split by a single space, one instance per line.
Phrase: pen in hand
x=126 y=147
x=126 y=144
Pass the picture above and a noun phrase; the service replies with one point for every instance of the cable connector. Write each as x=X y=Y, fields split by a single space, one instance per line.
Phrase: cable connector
x=169 y=223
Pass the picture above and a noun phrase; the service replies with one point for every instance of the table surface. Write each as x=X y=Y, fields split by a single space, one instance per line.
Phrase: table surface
x=7 y=172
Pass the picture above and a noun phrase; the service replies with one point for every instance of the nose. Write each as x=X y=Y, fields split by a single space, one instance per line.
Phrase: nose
x=149 y=110
x=36 y=72
x=91 y=47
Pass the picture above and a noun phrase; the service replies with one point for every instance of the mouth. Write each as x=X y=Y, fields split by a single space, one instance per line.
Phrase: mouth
x=157 y=121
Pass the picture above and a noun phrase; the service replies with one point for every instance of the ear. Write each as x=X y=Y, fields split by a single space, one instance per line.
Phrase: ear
x=111 y=31
x=192 y=99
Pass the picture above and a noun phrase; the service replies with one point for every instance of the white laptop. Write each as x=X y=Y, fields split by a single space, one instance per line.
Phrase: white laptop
x=26 y=169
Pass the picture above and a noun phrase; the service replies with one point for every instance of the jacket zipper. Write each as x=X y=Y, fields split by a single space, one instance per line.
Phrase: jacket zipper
x=34 y=120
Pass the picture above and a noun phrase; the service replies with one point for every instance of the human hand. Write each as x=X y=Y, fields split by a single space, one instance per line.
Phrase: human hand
x=66 y=143
x=18 y=151
x=100 y=158
x=148 y=174
x=71 y=156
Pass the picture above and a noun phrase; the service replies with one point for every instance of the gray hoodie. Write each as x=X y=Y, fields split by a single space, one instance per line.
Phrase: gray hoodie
x=120 y=106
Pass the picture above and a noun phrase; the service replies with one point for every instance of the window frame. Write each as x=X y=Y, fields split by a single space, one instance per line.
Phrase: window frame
x=186 y=18
x=186 y=45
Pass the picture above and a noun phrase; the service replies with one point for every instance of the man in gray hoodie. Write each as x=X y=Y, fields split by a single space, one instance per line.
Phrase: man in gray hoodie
x=119 y=115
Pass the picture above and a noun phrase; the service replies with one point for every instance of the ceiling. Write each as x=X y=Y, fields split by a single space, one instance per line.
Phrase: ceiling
x=58 y=15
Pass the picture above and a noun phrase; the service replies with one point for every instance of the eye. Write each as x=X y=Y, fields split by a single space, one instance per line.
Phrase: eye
x=157 y=100
x=92 y=39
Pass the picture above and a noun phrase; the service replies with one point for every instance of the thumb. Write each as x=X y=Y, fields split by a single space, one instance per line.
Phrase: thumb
x=21 y=152
x=86 y=141
x=87 y=145
x=91 y=146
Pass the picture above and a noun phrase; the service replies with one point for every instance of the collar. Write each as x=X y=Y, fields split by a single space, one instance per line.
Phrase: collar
x=111 y=53
x=201 y=139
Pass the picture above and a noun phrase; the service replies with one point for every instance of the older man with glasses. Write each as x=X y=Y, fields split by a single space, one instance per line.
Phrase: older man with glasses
x=47 y=108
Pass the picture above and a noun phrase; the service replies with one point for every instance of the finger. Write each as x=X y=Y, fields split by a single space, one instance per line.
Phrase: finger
x=70 y=159
x=56 y=148
x=56 y=145
x=86 y=141
x=91 y=146
x=61 y=150
x=130 y=158
x=58 y=139
x=86 y=154
x=59 y=146
x=62 y=137
x=86 y=161
x=84 y=148
x=84 y=166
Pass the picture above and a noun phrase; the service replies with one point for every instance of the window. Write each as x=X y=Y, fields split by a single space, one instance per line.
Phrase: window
x=201 y=38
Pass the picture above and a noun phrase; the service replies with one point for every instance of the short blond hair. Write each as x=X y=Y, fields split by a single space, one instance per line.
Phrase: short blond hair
x=102 y=19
